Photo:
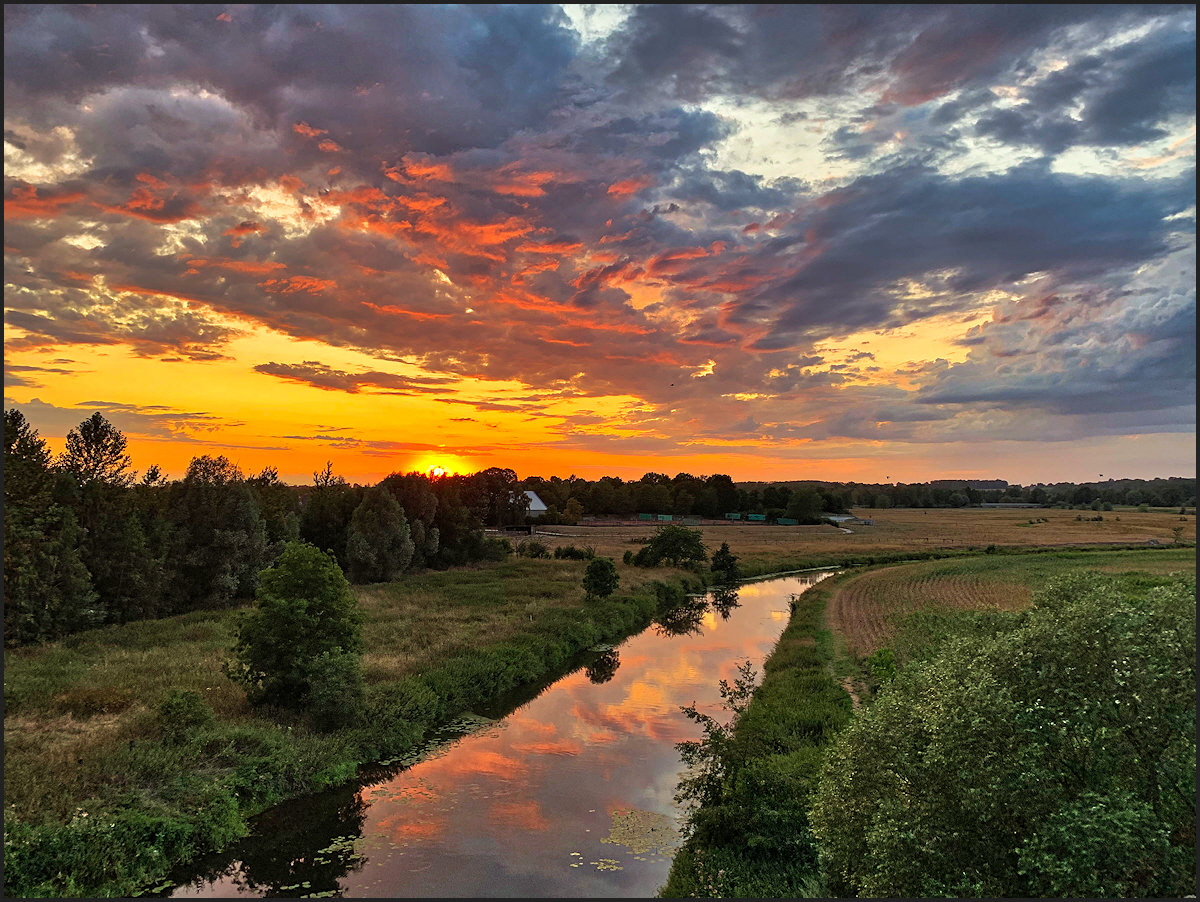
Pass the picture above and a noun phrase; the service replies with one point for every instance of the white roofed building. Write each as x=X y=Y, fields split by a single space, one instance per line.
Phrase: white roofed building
x=537 y=507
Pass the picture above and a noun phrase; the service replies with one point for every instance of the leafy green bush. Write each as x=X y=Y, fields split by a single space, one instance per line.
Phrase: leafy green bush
x=304 y=608
x=600 y=579
x=182 y=715
x=335 y=696
x=725 y=564
x=1053 y=758
x=571 y=553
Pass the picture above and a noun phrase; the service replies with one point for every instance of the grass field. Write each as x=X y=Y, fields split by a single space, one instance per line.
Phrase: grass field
x=865 y=608
x=899 y=530
x=69 y=704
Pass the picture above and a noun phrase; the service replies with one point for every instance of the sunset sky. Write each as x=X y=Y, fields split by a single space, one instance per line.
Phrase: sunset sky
x=870 y=243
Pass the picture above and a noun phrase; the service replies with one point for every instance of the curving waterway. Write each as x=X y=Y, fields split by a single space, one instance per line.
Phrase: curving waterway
x=565 y=792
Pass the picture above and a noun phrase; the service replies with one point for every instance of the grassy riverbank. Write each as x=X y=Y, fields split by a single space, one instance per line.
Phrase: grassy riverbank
x=105 y=792
x=756 y=842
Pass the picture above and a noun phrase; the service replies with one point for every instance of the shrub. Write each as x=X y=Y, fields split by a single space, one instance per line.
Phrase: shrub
x=335 y=696
x=600 y=579
x=304 y=609
x=571 y=553
x=496 y=549
x=182 y=715
x=725 y=564
x=532 y=548
x=1054 y=758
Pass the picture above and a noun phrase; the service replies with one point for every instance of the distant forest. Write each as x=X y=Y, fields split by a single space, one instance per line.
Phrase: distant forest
x=87 y=541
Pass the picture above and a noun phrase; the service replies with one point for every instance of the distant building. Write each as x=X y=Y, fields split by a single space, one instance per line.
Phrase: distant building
x=537 y=507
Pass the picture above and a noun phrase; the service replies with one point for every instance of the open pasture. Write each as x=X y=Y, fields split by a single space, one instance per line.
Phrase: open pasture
x=865 y=609
x=899 y=530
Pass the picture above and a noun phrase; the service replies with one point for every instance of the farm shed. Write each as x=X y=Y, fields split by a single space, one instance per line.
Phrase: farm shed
x=537 y=507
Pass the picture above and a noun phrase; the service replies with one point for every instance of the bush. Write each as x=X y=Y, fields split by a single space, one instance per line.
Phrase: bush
x=1054 y=758
x=304 y=609
x=725 y=564
x=600 y=579
x=532 y=548
x=571 y=553
x=496 y=549
x=182 y=715
x=335 y=696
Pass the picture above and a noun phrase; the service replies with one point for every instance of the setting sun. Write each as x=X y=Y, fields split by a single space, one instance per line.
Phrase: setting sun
x=444 y=465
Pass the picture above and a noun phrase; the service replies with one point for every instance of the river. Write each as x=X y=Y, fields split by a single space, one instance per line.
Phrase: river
x=565 y=792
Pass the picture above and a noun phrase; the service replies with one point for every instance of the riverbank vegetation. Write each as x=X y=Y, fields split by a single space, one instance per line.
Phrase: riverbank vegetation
x=1044 y=747
x=128 y=751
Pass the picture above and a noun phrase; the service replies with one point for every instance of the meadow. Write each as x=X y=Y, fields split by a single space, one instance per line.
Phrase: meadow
x=88 y=764
x=898 y=531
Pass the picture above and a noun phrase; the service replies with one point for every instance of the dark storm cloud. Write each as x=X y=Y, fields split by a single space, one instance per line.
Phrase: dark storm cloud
x=1123 y=97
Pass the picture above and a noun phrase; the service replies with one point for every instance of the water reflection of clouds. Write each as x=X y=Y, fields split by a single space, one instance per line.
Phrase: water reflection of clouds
x=501 y=811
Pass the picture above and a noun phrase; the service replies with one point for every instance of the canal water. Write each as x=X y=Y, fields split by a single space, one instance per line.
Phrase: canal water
x=565 y=792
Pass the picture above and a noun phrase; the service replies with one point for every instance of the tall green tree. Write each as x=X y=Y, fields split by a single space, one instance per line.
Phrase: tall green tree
x=674 y=545
x=47 y=588
x=379 y=547
x=806 y=505
x=126 y=572
x=95 y=453
x=326 y=512
x=219 y=543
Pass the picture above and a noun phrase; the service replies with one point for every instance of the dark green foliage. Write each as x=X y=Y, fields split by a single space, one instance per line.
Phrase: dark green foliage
x=496 y=548
x=183 y=715
x=1054 y=758
x=627 y=557
x=571 y=553
x=126 y=569
x=805 y=504
x=533 y=548
x=379 y=546
x=600 y=578
x=725 y=564
x=336 y=689
x=279 y=506
x=715 y=760
x=674 y=545
x=219 y=540
x=326 y=512
x=304 y=608
x=47 y=588
x=95 y=452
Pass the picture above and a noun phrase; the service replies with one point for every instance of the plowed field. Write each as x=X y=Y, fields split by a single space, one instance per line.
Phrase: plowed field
x=864 y=610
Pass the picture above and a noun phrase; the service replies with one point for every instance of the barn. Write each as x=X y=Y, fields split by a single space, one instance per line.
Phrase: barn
x=537 y=507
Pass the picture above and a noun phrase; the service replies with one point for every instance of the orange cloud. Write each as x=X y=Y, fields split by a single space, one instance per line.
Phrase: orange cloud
x=303 y=128
x=253 y=267
x=26 y=202
x=400 y=311
x=550 y=247
x=626 y=187
x=329 y=146
x=294 y=284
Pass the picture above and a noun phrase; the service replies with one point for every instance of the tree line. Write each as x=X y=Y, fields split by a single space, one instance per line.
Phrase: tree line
x=88 y=542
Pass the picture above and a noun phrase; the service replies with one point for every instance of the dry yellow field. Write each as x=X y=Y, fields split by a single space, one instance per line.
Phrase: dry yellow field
x=898 y=530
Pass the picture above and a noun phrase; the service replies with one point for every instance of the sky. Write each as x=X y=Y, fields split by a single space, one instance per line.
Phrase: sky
x=879 y=243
